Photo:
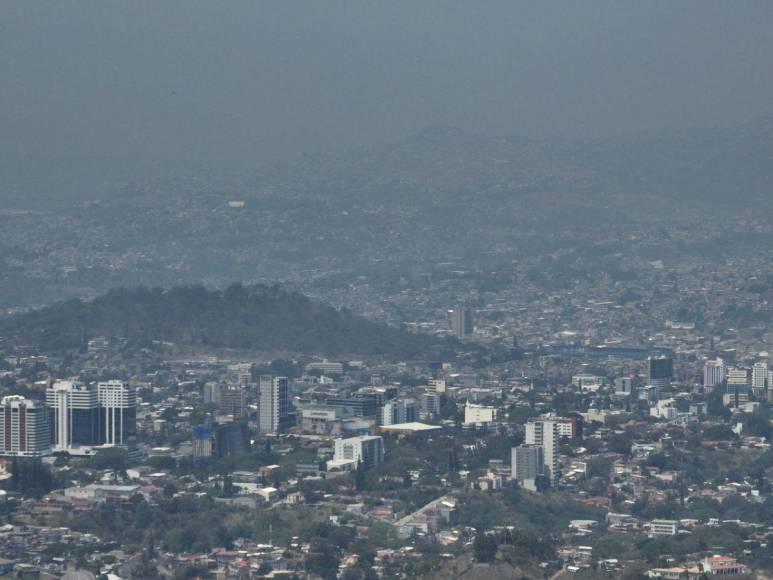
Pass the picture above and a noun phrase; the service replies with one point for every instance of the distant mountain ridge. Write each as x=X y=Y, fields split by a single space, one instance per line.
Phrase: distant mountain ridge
x=264 y=318
x=437 y=164
x=382 y=212
x=442 y=164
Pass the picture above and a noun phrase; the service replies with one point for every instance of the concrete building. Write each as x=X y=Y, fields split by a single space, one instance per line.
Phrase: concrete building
x=461 y=323
x=233 y=401
x=320 y=419
x=736 y=398
x=664 y=527
x=274 y=404
x=360 y=405
x=624 y=386
x=546 y=434
x=437 y=385
x=569 y=427
x=737 y=377
x=475 y=414
x=430 y=403
x=587 y=382
x=212 y=393
x=75 y=407
x=25 y=429
x=203 y=441
x=737 y=388
x=527 y=465
x=723 y=566
x=649 y=393
x=368 y=449
x=231 y=439
x=714 y=372
x=399 y=411
x=117 y=413
x=759 y=378
x=326 y=367
x=660 y=371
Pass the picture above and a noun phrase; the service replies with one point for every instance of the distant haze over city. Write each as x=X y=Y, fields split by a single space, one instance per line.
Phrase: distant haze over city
x=235 y=85
x=386 y=289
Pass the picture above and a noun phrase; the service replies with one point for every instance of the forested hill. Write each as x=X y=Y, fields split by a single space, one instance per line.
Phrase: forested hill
x=242 y=317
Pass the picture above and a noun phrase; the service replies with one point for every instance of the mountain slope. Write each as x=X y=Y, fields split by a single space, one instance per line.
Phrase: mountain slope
x=256 y=318
x=443 y=164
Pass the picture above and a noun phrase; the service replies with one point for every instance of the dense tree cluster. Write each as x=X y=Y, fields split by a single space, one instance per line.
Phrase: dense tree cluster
x=31 y=478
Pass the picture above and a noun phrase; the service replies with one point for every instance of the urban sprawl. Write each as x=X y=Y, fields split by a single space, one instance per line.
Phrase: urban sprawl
x=564 y=458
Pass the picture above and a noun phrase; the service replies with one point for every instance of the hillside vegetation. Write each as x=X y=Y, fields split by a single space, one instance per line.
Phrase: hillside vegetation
x=243 y=317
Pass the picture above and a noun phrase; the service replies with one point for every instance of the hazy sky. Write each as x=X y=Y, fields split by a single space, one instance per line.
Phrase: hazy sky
x=239 y=83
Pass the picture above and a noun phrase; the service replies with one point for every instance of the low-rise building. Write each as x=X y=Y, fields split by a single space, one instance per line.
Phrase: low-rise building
x=723 y=566
x=663 y=527
x=479 y=414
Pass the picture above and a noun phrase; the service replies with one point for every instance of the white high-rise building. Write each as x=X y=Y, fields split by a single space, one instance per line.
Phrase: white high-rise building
x=368 y=449
x=527 y=465
x=759 y=377
x=25 y=430
x=274 y=404
x=75 y=407
x=546 y=434
x=117 y=412
x=714 y=372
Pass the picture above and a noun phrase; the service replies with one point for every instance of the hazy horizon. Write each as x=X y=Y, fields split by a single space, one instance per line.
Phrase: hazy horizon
x=238 y=85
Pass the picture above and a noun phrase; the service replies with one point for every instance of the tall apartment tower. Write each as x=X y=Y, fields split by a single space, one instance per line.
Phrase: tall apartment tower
x=759 y=378
x=461 y=322
x=25 y=430
x=714 y=372
x=527 y=465
x=117 y=413
x=546 y=435
x=660 y=371
x=75 y=407
x=274 y=404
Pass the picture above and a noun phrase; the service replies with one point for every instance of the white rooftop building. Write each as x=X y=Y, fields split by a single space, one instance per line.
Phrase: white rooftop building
x=369 y=449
